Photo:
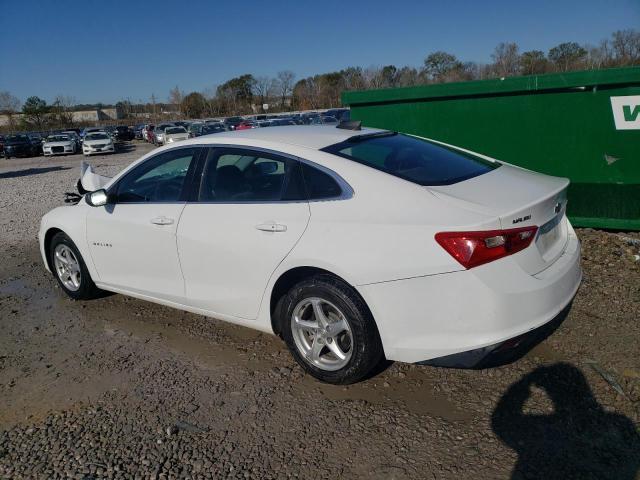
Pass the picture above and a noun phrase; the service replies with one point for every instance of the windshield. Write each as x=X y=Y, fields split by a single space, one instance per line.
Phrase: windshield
x=411 y=158
x=171 y=130
x=58 y=138
x=18 y=138
x=97 y=136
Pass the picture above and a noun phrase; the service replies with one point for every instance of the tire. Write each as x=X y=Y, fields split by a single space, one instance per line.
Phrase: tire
x=79 y=285
x=315 y=348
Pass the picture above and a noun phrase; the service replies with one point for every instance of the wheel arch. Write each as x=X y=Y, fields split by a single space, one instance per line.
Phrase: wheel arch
x=48 y=237
x=289 y=278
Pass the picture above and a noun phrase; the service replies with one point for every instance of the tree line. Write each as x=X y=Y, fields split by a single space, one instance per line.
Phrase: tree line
x=260 y=94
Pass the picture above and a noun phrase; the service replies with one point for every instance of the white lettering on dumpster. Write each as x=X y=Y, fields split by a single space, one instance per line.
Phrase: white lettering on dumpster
x=626 y=112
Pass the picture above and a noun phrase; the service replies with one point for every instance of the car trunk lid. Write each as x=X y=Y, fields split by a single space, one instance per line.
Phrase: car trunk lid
x=519 y=198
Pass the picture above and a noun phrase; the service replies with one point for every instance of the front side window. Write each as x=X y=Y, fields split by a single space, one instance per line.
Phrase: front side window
x=239 y=175
x=411 y=158
x=159 y=179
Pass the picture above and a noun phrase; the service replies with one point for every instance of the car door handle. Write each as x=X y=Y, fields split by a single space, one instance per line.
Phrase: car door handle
x=162 y=221
x=272 y=227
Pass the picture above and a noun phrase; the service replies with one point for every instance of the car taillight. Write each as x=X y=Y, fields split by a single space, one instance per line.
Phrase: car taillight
x=471 y=249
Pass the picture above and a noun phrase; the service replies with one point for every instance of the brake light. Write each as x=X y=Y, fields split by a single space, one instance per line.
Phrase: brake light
x=471 y=249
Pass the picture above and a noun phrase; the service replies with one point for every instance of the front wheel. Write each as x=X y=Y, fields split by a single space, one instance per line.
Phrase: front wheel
x=330 y=331
x=70 y=270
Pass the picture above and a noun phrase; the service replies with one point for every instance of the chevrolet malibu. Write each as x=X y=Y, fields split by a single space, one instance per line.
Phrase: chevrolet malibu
x=354 y=245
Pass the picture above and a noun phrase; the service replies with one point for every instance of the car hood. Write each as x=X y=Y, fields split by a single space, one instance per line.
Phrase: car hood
x=89 y=180
x=64 y=143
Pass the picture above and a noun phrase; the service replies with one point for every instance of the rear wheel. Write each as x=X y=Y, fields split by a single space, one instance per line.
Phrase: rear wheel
x=329 y=330
x=70 y=270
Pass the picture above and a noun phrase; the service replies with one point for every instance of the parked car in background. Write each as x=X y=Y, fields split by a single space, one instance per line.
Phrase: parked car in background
x=158 y=133
x=175 y=134
x=324 y=120
x=123 y=134
x=97 y=143
x=232 y=122
x=36 y=141
x=59 y=144
x=137 y=131
x=1 y=143
x=308 y=118
x=281 y=122
x=197 y=129
x=19 y=146
x=216 y=127
x=87 y=130
x=340 y=114
x=147 y=132
x=246 y=124
x=74 y=136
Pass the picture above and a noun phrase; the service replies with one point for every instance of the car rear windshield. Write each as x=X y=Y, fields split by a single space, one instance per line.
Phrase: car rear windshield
x=414 y=159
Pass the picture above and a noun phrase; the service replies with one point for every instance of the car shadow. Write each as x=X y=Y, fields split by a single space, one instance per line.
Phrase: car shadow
x=31 y=171
x=578 y=439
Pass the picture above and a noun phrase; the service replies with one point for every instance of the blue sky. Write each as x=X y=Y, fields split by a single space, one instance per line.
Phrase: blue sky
x=107 y=51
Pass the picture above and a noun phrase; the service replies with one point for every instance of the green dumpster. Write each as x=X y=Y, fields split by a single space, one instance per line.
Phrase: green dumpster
x=581 y=125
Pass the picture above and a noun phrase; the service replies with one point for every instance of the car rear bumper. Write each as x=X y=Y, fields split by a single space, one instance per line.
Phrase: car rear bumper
x=503 y=352
x=425 y=318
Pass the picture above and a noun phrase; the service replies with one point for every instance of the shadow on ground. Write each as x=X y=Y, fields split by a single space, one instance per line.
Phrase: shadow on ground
x=31 y=171
x=578 y=439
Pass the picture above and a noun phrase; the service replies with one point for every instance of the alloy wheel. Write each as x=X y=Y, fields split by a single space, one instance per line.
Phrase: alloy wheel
x=322 y=334
x=67 y=267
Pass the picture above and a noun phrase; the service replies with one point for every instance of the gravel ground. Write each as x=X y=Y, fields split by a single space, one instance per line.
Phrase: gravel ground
x=121 y=388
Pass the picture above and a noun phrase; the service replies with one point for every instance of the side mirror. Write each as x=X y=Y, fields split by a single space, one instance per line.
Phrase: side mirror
x=97 y=198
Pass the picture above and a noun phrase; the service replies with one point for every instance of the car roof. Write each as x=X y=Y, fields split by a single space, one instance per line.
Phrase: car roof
x=314 y=137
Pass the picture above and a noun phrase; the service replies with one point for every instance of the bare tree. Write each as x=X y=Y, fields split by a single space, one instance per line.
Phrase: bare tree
x=62 y=110
x=373 y=77
x=9 y=105
x=506 y=60
x=286 y=80
x=262 y=88
x=626 y=46
x=175 y=96
x=533 y=62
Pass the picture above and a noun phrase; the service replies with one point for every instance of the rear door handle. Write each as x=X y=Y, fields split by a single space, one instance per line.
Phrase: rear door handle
x=162 y=220
x=272 y=227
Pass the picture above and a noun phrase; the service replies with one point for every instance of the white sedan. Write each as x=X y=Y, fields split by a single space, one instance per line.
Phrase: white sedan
x=61 y=144
x=175 y=134
x=354 y=245
x=97 y=143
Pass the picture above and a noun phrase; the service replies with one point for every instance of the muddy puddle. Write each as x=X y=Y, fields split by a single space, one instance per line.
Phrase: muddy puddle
x=413 y=393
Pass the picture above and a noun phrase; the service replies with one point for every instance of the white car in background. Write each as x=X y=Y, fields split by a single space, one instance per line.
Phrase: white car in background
x=354 y=245
x=60 y=144
x=97 y=143
x=158 y=133
x=175 y=134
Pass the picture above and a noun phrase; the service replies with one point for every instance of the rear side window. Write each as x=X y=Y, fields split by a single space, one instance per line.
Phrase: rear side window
x=238 y=175
x=413 y=159
x=319 y=184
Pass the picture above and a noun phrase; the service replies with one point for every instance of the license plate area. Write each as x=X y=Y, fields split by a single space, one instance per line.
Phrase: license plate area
x=550 y=235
